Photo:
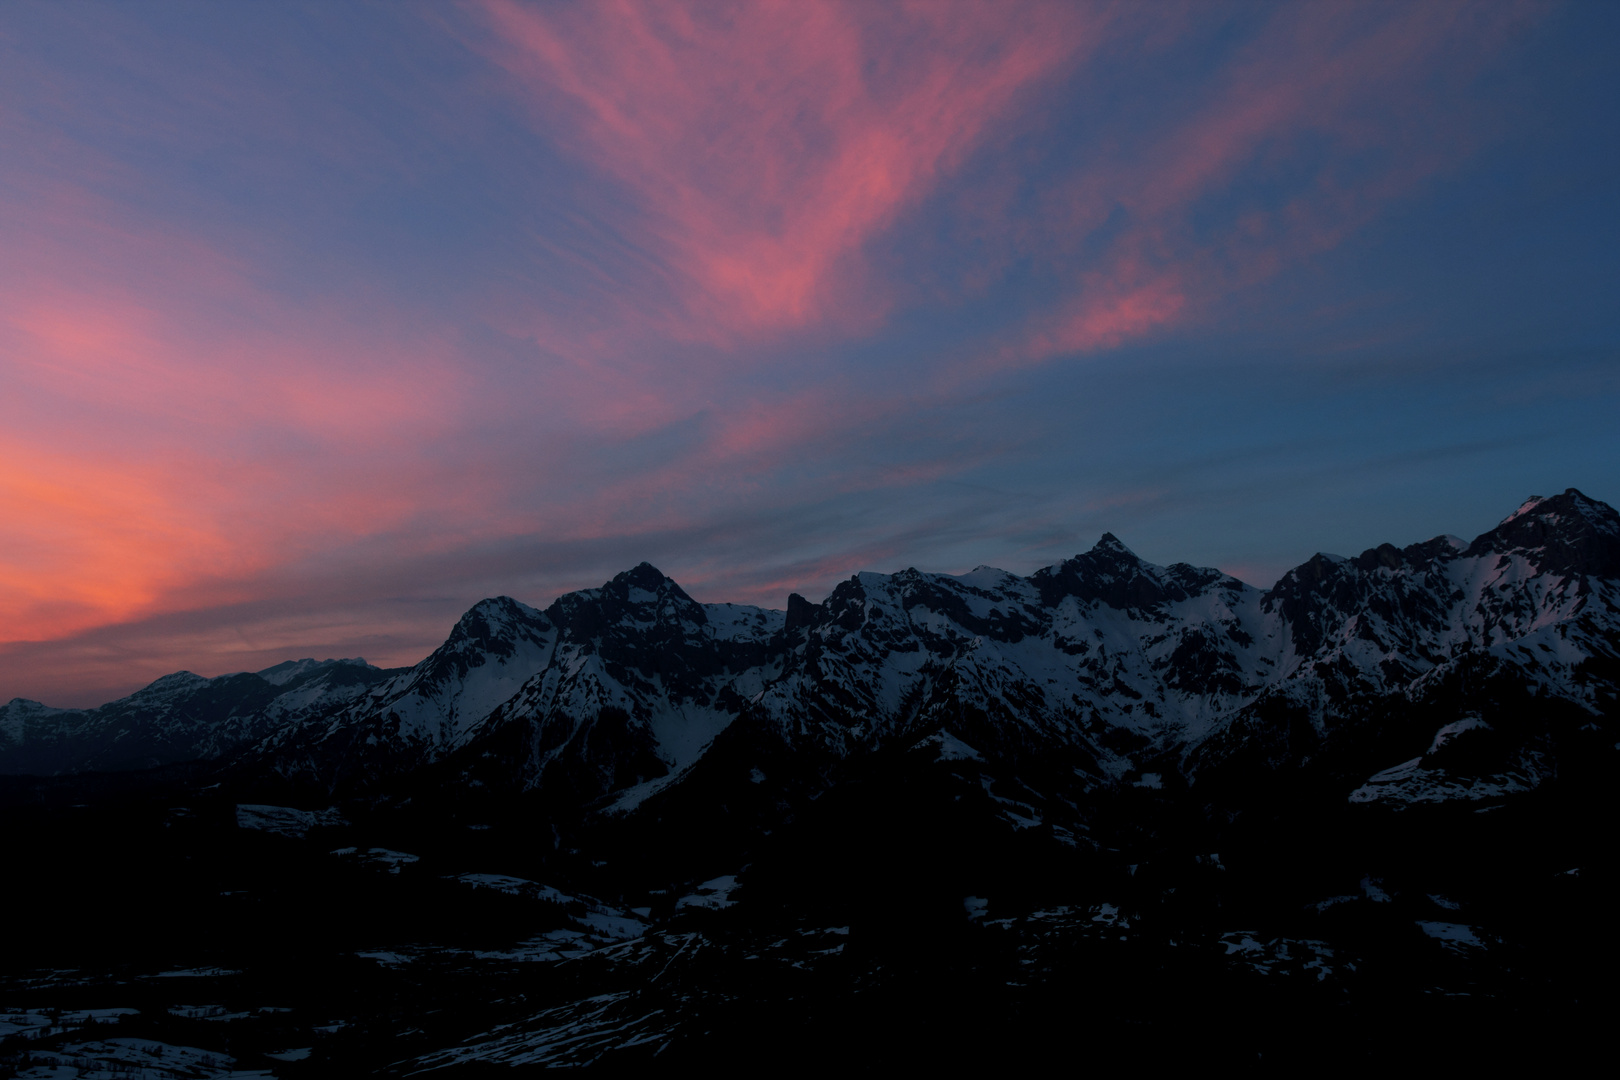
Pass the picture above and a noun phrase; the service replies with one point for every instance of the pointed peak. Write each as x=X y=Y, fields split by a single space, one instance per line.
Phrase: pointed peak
x=644 y=575
x=1571 y=502
x=1559 y=533
x=1109 y=544
x=1111 y=573
x=644 y=583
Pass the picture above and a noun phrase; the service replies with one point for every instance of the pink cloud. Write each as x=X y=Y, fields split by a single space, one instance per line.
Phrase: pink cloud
x=1106 y=313
x=1361 y=96
x=768 y=144
x=173 y=428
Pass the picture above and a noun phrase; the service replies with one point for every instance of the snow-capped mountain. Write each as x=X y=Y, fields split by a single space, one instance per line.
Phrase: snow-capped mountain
x=640 y=681
x=1098 y=644
x=605 y=689
x=1517 y=627
x=419 y=713
x=180 y=717
x=1111 y=663
x=1539 y=590
x=1105 y=662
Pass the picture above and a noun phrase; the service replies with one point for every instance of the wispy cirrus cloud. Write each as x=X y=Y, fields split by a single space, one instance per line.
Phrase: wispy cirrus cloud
x=767 y=144
x=1324 y=118
x=759 y=155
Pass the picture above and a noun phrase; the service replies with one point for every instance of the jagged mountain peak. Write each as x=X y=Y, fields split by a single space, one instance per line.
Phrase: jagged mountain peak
x=644 y=584
x=1388 y=556
x=494 y=626
x=1110 y=558
x=1561 y=534
x=1112 y=574
x=1418 y=556
x=1320 y=567
x=1112 y=544
x=500 y=609
x=644 y=575
x=641 y=596
x=1572 y=503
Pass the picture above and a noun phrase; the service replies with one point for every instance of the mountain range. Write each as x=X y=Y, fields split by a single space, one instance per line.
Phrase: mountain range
x=940 y=819
x=1113 y=665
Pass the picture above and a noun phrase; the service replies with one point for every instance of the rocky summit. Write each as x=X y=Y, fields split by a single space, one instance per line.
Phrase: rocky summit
x=1109 y=808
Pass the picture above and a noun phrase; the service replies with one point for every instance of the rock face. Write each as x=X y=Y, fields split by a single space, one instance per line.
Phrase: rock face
x=1104 y=666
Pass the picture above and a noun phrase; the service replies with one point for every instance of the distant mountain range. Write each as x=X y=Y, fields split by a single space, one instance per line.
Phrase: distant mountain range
x=180 y=717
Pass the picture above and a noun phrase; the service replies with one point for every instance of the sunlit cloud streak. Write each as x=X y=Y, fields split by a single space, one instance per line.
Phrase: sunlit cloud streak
x=769 y=143
x=1329 y=114
x=744 y=139
x=164 y=416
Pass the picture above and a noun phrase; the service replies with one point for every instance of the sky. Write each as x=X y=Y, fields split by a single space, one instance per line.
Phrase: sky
x=319 y=323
